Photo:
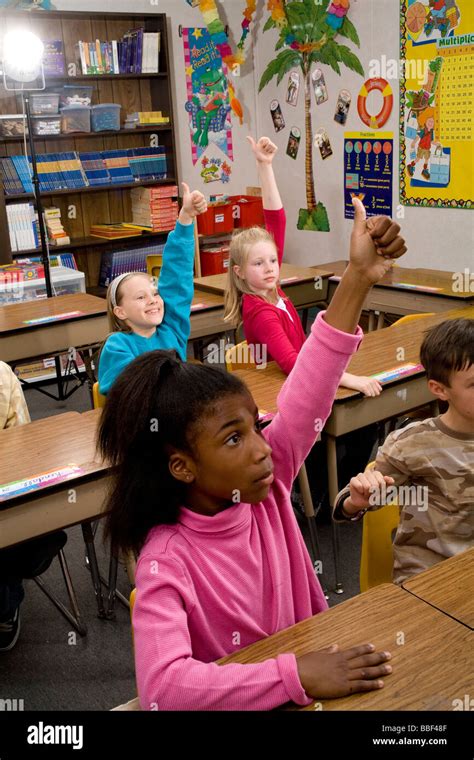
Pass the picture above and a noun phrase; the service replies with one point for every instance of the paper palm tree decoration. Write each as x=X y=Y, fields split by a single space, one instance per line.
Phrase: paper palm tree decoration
x=307 y=35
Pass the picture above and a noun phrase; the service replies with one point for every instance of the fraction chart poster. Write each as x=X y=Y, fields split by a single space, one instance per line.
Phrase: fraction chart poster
x=437 y=103
x=368 y=172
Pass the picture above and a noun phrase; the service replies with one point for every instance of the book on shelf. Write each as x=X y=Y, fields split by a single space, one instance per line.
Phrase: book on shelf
x=22 y=226
x=155 y=207
x=57 y=235
x=94 y=168
x=137 y=52
x=57 y=260
x=115 y=263
x=54 y=64
x=23 y=171
x=118 y=166
x=113 y=231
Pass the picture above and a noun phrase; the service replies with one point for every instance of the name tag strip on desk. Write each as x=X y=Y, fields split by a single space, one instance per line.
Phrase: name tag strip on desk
x=397 y=372
x=53 y=318
x=37 y=482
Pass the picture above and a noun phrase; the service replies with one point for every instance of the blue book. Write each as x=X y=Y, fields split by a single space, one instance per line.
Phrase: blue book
x=94 y=168
x=117 y=163
x=22 y=168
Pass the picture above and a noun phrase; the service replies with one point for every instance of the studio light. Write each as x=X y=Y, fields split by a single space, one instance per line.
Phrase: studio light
x=22 y=56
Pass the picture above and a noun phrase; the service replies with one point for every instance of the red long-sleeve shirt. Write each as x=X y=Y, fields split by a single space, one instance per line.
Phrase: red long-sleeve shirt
x=266 y=324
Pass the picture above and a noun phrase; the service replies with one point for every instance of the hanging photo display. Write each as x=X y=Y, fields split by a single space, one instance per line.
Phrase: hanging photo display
x=321 y=140
x=293 y=88
x=208 y=102
x=277 y=116
x=437 y=103
x=319 y=86
x=368 y=172
x=342 y=107
x=293 y=142
x=375 y=121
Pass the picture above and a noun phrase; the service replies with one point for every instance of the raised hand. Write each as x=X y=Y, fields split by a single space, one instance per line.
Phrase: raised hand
x=375 y=244
x=194 y=203
x=330 y=673
x=264 y=150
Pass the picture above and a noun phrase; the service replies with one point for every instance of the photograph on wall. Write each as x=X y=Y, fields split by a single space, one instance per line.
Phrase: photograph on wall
x=437 y=103
x=207 y=89
x=368 y=172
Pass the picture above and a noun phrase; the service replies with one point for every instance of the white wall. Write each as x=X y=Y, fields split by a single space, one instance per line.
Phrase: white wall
x=437 y=238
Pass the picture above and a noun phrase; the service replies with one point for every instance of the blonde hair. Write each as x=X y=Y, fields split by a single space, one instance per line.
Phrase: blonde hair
x=241 y=243
x=116 y=324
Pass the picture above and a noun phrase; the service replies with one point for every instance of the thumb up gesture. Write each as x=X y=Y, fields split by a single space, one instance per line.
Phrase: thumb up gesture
x=375 y=243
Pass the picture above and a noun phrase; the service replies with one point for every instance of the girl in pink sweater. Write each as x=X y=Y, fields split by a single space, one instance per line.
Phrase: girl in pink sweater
x=253 y=293
x=203 y=493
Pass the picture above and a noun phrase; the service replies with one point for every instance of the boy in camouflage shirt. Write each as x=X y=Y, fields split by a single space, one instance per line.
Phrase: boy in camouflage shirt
x=428 y=466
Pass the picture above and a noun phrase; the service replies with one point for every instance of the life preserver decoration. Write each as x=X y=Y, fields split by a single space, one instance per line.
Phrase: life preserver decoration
x=375 y=122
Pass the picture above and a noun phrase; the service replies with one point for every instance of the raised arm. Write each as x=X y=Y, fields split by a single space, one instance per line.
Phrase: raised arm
x=306 y=398
x=175 y=284
x=171 y=677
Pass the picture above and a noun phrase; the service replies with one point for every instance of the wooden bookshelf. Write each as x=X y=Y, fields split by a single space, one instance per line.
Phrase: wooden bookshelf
x=134 y=92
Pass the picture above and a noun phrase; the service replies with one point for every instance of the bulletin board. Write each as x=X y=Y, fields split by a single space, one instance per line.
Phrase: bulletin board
x=437 y=103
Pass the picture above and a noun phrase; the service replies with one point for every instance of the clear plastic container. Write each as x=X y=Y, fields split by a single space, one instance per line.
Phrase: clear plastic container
x=63 y=279
x=105 y=117
x=75 y=119
x=47 y=125
x=77 y=95
x=44 y=103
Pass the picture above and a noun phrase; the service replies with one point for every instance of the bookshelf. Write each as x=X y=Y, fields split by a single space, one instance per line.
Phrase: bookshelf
x=82 y=207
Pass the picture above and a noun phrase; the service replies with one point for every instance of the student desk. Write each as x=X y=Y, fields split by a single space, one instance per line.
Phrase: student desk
x=406 y=291
x=207 y=318
x=304 y=285
x=351 y=410
x=448 y=587
x=431 y=654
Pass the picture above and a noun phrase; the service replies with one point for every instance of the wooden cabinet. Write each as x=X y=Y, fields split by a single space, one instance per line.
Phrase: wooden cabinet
x=134 y=92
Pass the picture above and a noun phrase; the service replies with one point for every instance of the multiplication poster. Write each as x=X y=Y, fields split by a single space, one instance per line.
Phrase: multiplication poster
x=437 y=103
x=368 y=172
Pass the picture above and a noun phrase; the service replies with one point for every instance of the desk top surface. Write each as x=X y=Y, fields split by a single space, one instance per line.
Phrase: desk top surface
x=24 y=316
x=290 y=275
x=448 y=587
x=431 y=653
x=378 y=353
x=432 y=281
x=204 y=300
x=48 y=445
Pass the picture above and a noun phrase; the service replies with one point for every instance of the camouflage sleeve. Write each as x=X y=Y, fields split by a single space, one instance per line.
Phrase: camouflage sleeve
x=391 y=461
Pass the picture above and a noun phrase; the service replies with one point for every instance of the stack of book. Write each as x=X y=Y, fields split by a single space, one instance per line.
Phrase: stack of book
x=94 y=168
x=117 y=164
x=148 y=163
x=115 y=263
x=22 y=226
x=57 y=235
x=58 y=260
x=136 y=53
x=53 y=58
x=15 y=175
x=113 y=231
x=155 y=208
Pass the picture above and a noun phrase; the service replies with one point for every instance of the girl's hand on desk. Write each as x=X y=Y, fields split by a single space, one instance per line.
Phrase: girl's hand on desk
x=375 y=243
x=369 y=386
x=330 y=673
x=362 y=487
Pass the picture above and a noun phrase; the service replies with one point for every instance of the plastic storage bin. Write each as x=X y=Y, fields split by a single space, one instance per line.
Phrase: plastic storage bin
x=214 y=260
x=217 y=219
x=47 y=125
x=75 y=119
x=44 y=103
x=77 y=95
x=105 y=117
x=63 y=279
x=247 y=211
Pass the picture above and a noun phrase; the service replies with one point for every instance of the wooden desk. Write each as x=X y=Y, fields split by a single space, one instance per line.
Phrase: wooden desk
x=430 y=669
x=390 y=297
x=20 y=341
x=40 y=447
x=207 y=315
x=448 y=587
x=306 y=286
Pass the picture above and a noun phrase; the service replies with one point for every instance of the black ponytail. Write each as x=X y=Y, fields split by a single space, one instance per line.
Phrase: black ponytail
x=151 y=407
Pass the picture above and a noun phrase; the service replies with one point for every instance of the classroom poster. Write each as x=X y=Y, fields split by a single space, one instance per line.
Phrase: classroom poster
x=368 y=172
x=207 y=94
x=437 y=103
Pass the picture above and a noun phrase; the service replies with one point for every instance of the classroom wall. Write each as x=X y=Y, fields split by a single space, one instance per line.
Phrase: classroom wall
x=437 y=238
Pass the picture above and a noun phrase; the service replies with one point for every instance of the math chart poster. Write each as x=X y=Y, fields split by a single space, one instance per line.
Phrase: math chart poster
x=368 y=172
x=437 y=103
x=207 y=94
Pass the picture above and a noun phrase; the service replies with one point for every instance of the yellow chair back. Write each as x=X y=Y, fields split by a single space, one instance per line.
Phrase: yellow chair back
x=97 y=397
x=239 y=357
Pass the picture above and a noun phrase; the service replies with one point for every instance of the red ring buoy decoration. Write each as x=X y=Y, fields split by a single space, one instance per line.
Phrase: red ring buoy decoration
x=375 y=122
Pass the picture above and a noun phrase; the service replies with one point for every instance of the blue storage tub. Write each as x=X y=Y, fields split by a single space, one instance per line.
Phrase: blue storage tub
x=105 y=117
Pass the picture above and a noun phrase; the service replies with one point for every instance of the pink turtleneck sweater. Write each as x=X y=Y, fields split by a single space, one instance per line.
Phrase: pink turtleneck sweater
x=208 y=586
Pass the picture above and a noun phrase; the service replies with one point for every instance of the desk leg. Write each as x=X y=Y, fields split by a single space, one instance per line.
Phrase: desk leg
x=311 y=520
x=94 y=568
x=380 y=320
x=333 y=491
x=371 y=326
x=73 y=617
x=304 y=319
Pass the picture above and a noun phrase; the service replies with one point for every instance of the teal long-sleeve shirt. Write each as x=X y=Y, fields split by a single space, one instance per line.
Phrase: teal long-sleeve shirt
x=176 y=287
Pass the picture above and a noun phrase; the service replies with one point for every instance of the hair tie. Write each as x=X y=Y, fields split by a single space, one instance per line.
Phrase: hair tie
x=113 y=288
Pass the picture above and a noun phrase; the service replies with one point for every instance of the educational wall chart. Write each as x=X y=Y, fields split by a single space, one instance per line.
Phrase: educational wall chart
x=437 y=103
x=368 y=172
x=208 y=103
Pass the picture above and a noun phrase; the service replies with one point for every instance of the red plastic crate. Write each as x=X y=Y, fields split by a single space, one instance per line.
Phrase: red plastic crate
x=217 y=219
x=247 y=211
x=214 y=260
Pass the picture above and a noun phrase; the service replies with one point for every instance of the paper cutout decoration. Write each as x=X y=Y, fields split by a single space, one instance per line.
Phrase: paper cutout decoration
x=215 y=170
x=319 y=86
x=293 y=142
x=277 y=116
x=321 y=140
x=293 y=88
x=375 y=122
x=342 y=107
